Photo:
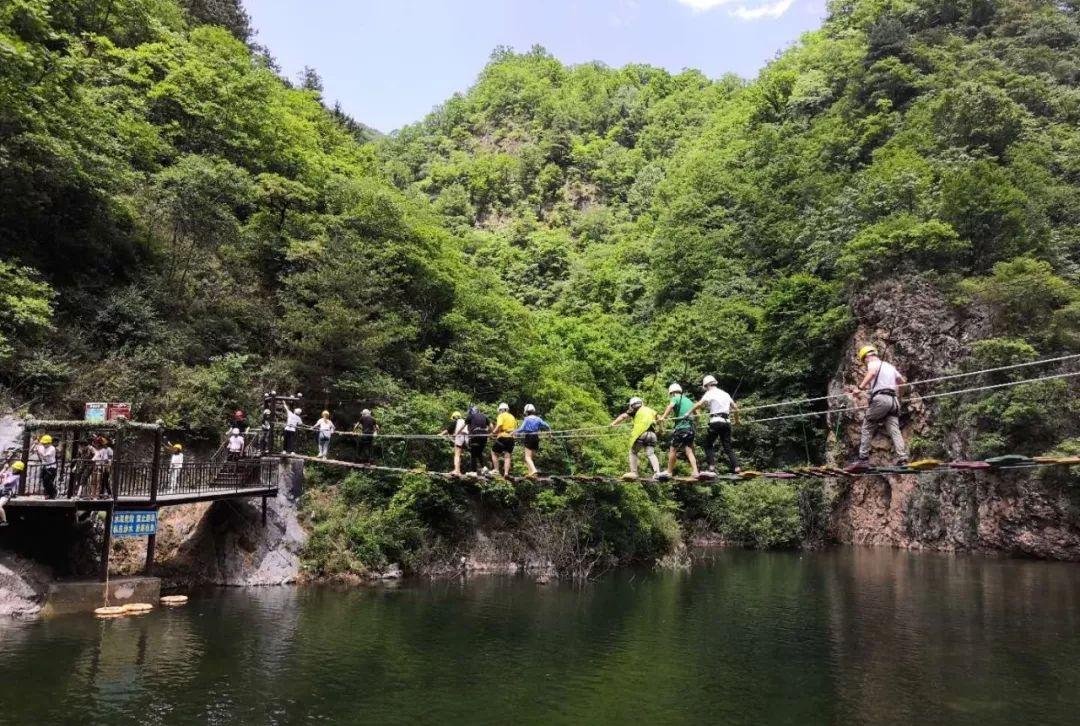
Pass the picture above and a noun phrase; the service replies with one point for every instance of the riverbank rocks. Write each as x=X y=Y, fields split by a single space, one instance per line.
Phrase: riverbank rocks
x=23 y=586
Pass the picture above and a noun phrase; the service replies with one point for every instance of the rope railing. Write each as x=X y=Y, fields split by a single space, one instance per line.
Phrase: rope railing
x=604 y=430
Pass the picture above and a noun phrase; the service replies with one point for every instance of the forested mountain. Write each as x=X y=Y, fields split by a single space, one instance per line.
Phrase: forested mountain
x=182 y=228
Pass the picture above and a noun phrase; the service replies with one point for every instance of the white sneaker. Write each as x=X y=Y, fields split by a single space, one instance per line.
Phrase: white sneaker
x=629 y=476
x=663 y=476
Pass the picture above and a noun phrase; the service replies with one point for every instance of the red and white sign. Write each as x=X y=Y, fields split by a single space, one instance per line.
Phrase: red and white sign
x=118 y=410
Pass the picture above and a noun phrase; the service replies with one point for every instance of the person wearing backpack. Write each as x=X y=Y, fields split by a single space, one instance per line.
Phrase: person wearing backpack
x=479 y=428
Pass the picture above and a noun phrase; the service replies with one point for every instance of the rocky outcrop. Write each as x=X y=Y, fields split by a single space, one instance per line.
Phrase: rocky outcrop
x=913 y=324
x=223 y=543
x=1027 y=512
x=23 y=586
x=1017 y=513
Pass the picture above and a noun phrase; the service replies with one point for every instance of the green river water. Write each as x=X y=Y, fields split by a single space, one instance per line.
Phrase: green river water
x=849 y=636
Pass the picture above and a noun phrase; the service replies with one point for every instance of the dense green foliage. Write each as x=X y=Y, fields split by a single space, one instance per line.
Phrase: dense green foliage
x=366 y=522
x=182 y=228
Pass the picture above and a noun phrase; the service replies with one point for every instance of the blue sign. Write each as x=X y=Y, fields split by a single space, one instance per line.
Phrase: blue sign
x=140 y=523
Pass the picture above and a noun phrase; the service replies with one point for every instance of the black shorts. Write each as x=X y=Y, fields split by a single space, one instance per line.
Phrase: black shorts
x=682 y=438
x=503 y=445
x=532 y=442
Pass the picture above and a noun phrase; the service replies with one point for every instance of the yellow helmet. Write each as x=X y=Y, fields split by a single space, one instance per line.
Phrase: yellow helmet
x=177 y=447
x=455 y=415
x=326 y=414
x=18 y=466
x=46 y=439
x=866 y=350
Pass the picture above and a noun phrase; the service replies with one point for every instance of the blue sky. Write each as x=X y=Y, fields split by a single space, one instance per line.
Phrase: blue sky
x=390 y=61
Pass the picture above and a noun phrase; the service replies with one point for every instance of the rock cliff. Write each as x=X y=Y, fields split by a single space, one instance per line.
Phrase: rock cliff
x=1026 y=512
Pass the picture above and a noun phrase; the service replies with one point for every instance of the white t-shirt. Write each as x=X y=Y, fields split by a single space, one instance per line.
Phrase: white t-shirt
x=176 y=461
x=47 y=454
x=292 y=421
x=719 y=401
x=236 y=443
x=325 y=426
x=105 y=453
x=886 y=376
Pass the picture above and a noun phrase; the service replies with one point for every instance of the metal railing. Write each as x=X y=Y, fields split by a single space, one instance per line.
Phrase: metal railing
x=135 y=479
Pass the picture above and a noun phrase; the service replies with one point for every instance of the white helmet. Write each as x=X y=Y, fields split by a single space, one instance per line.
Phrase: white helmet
x=266 y=412
x=635 y=402
x=297 y=411
x=674 y=388
x=504 y=407
x=235 y=432
x=529 y=408
x=708 y=381
x=366 y=412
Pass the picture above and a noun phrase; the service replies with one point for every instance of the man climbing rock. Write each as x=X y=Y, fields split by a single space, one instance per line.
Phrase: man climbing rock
x=683 y=435
x=883 y=381
x=722 y=413
x=642 y=435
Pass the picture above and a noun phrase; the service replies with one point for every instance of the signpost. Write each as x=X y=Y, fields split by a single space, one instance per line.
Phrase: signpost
x=136 y=523
x=95 y=412
x=118 y=410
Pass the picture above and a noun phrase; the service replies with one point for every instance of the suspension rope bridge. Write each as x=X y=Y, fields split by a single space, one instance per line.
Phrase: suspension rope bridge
x=920 y=467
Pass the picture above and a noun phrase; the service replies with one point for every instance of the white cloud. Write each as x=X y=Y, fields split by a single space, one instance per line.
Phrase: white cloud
x=701 y=6
x=769 y=10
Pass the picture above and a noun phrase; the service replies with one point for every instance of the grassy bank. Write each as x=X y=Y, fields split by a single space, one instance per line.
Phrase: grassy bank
x=362 y=523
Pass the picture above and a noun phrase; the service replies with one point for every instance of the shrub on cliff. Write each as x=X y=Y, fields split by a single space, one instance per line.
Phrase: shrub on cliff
x=759 y=513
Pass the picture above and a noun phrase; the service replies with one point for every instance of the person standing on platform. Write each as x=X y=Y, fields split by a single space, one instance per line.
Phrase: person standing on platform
x=45 y=452
x=236 y=444
x=264 y=426
x=101 y=459
x=292 y=420
x=9 y=486
x=176 y=465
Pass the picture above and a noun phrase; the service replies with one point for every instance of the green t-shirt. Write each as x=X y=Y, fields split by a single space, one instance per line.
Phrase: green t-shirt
x=682 y=407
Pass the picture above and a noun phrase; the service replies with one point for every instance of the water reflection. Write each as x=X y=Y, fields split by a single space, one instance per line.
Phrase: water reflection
x=850 y=636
